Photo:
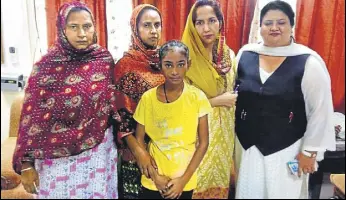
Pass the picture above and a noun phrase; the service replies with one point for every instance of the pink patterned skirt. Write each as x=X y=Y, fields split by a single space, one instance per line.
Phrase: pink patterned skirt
x=89 y=175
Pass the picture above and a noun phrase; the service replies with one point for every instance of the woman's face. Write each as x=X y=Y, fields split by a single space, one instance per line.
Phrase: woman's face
x=149 y=28
x=207 y=25
x=276 y=29
x=80 y=29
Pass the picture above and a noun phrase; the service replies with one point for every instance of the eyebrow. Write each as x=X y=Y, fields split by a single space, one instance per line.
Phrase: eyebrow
x=273 y=20
x=180 y=61
x=149 y=22
x=207 y=19
x=74 y=23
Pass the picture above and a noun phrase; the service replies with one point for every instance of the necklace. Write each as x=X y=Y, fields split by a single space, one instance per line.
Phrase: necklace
x=164 y=90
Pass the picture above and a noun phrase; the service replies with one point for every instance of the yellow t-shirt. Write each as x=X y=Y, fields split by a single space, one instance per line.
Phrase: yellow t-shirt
x=172 y=128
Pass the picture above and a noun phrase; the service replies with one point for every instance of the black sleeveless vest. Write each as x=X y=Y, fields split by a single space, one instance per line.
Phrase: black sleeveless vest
x=270 y=115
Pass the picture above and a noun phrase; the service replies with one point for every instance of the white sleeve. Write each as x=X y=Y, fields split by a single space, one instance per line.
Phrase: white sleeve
x=316 y=88
x=237 y=58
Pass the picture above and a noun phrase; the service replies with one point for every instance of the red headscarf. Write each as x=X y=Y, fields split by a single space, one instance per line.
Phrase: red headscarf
x=68 y=99
x=138 y=51
x=135 y=73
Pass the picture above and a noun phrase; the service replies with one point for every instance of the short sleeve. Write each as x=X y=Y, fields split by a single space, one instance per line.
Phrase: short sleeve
x=204 y=106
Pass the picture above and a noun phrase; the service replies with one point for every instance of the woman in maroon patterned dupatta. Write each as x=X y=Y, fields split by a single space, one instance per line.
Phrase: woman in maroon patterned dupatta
x=134 y=74
x=65 y=148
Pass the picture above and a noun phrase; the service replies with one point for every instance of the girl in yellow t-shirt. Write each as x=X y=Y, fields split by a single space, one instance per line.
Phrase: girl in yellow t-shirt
x=173 y=115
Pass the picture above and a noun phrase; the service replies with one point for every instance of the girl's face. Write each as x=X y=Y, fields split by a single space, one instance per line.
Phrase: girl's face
x=174 y=65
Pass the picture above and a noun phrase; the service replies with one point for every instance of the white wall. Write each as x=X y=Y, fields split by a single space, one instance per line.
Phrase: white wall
x=15 y=32
x=118 y=27
x=38 y=29
x=19 y=30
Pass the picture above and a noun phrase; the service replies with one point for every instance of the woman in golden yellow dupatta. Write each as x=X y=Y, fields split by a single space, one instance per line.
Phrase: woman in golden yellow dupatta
x=213 y=71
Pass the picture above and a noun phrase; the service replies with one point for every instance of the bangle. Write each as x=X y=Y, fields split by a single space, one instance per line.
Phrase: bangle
x=308 y=154
x=26 y=169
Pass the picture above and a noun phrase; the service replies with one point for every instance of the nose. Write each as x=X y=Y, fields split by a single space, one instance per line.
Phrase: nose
x=153 y=30
x=275 y=26
x=206 y=27
x=174 y=71
x=81 y=33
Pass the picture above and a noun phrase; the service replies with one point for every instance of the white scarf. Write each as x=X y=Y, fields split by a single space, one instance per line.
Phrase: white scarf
x=293 y=49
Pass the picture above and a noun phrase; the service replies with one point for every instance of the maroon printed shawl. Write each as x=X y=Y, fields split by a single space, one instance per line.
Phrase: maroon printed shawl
x=68 y=100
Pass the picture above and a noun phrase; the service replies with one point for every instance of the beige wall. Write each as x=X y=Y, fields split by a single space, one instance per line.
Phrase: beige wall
x=6 y=101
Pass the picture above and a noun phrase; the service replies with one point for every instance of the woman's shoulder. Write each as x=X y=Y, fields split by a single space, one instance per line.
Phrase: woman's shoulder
x=122 y=62
x=103 y=49
x=100 y=52
x=123 y=66
x=314 y=66
x=127 y=64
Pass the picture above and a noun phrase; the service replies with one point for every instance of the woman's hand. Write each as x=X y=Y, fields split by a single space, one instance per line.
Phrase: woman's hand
x=146 y=163
x=30 y=178
x=227 y=99
x=306 y=164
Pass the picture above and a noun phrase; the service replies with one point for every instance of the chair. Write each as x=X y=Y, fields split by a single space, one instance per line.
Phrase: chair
x=11 y=187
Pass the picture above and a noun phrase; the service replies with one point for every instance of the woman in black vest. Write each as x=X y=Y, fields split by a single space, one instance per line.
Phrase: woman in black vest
x=283 y=112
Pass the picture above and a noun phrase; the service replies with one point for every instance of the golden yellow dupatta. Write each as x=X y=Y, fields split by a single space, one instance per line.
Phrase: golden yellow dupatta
x=202 y=71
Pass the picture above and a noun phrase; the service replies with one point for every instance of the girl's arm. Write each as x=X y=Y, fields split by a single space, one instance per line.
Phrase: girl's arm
x=177 y=185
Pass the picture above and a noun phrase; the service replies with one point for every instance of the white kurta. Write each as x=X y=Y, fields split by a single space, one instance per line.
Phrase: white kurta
x=268 y=177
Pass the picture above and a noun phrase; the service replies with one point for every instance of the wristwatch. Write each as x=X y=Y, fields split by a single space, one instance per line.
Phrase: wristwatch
x=308 y=154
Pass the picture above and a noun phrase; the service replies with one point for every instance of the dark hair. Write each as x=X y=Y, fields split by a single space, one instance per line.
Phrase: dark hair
x=278 y=5
x=212 y=3
x=140 y=14
x=170 y=45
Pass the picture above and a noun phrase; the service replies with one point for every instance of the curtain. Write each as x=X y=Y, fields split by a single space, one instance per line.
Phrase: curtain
x=254 y=36
x=321 y=26
x=98 y=9
x=238 y=17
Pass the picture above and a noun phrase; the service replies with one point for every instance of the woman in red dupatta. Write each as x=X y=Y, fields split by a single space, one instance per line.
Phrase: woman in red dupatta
x=134 y=74
x=64 y=147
